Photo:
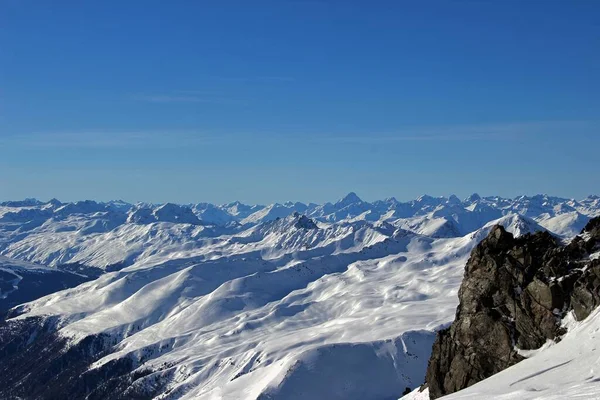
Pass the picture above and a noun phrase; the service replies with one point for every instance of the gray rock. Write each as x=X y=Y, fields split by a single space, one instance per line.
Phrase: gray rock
x=514 y=293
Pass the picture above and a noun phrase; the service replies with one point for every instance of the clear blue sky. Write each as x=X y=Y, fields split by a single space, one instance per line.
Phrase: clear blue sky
x=306 y=100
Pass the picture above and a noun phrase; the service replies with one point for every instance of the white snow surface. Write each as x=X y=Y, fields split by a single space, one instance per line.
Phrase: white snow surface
x=254 y=304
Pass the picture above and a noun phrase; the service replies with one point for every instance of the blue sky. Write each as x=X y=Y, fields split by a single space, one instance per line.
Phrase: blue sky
x=306 y=100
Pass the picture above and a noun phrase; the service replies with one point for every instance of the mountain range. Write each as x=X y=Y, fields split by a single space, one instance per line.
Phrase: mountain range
x=286 y=301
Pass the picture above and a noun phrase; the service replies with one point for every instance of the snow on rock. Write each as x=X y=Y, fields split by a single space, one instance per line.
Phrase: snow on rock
x=239 y=210
x=272 y=212
x=211 y=214
x=168 y=212
x=569 y=369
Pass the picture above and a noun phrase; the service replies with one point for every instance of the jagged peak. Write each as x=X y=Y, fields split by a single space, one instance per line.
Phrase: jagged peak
x=453 y=199
x=303 y=222
x=350 y=198
x=425 y=197
x=592 y=225
x=498 y=238
x=473 y=198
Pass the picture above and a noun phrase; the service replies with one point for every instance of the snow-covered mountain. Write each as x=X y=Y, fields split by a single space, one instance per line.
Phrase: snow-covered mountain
x=285 y=301
x=116 y=234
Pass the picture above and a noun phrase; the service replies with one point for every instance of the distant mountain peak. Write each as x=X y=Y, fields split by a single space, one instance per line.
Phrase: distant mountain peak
x=350 y=198
x=28 y=202
x=453 y=199
x=473 y=198
x=424 y=197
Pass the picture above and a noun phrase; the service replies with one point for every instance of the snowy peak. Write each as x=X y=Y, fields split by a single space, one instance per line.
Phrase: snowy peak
x=515 y=224
x=350 y=198
x=453 y=200
x=81 y=207
x=55 y=203
x=119 y=205
x=269 y=213
x=542 y=208
x=240 y=210
x=168 y=212
x=473 y=198
x=29 y=202
x=211 y=214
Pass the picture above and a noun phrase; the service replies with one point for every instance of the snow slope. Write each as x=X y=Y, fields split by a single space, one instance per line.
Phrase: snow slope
x=350 y=317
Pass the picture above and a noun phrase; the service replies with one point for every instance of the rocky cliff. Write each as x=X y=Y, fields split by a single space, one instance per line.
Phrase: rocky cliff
x=514 y=295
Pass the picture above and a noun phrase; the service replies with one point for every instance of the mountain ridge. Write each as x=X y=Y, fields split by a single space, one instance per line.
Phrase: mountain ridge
x=179 y=309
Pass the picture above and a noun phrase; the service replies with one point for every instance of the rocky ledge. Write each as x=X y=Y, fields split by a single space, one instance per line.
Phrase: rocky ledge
x=514 y=295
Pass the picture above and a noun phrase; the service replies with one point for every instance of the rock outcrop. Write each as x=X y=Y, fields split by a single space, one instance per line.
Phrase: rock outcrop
x=514 y=294
x=303 y=222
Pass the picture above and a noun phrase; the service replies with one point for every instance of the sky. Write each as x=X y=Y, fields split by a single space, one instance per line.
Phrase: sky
x=305 y=100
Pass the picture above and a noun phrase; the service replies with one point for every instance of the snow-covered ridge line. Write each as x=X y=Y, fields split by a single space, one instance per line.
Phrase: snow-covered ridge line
x=115 y=234
x=350 y=206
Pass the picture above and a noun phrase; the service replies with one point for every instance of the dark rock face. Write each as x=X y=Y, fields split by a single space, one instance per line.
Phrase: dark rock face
x=514 y=294
x=303 y=222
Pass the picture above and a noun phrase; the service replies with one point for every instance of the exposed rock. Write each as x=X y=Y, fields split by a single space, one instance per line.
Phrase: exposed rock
x=585 y=296
x=303 y=222
x=514 y=293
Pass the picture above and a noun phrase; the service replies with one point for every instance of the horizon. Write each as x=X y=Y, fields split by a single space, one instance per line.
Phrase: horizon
x=298 y=99
x=461 y=198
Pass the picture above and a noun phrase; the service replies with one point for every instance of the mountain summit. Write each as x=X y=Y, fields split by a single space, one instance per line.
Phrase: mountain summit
x=350 y=198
